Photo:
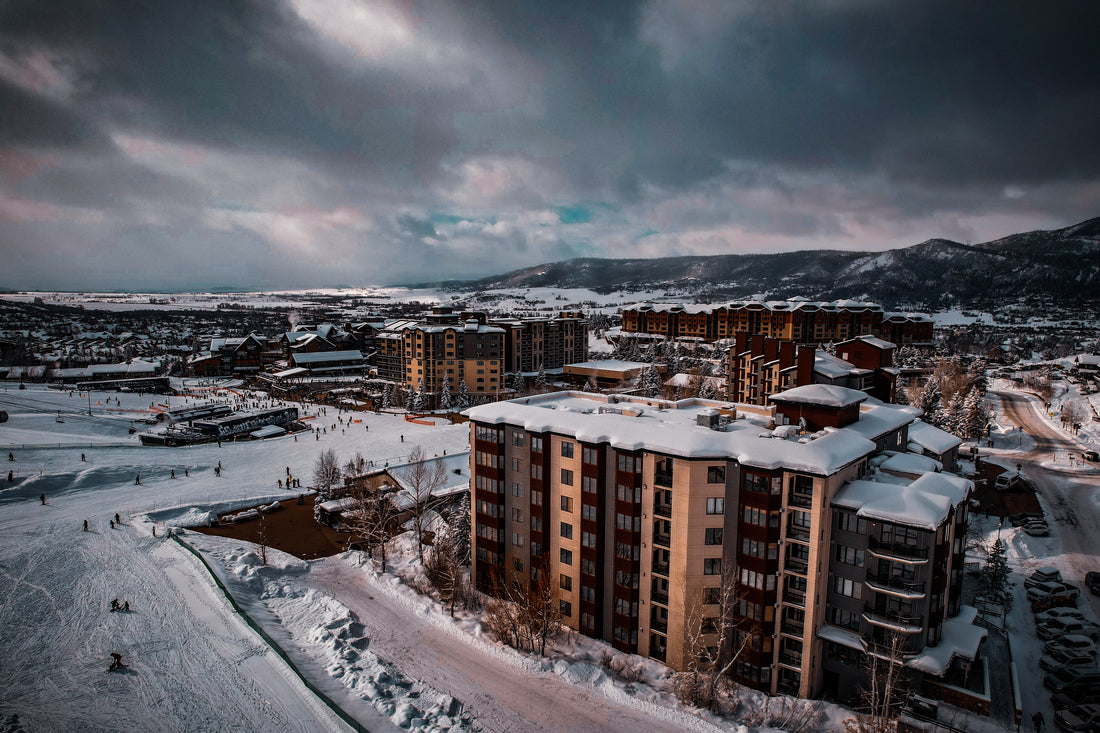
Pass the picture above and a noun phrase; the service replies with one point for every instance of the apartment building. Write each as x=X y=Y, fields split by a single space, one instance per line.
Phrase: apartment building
x=531 y=344
x=798 y=320
x=639 y=508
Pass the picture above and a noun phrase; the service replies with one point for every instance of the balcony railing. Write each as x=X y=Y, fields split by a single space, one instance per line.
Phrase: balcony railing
x=662 y=510
x=662 y=479
x=800 y=534
x=662 y=538
x=659 y=625
x=658 y=596
x=893 y=620
x=794 y=597
x=791 y=659
x=897 y=550
x=796 y=565
x=660 y=566
x=887 y=584
x=800 y=500
x=794 y=628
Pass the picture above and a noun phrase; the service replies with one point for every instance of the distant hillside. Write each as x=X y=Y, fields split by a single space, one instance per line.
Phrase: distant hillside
x=1063 y=264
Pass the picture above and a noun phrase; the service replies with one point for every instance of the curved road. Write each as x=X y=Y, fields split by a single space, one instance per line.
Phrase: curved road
x=1065 y=492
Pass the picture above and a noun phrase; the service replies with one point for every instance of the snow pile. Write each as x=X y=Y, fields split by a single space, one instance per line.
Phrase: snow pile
x=329 y=632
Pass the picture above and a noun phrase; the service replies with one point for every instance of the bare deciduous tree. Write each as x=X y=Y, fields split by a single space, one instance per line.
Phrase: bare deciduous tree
x=711 y=642
x=444 y=570
x=262 y=540
x=372 y=519
x=525 y=616
x=423 y=477
x=884 y=690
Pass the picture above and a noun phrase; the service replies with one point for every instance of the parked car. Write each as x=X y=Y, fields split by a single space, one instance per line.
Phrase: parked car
x=1091 y=455
x=1066 y=679
x=1049 y=603
x=1022 y=518
x=1037 y=529
x=1062 y=612
x=1065 y=627
x=1079 y=718
x=1001 y=482
x=1051 y=662
x=1043 y=575
x=1042 y=590
x=1092 y=582
x=1077 y=643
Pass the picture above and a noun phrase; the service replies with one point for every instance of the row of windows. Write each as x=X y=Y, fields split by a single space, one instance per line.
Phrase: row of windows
x=628 y=523
x=488 y=533
x=761 y=517
x=482 y=432
x=758 y=549
x=588 y=511
x=760 y=581
x=849 y=555
x=623 y=636
x=848 y=587
x=630 y=464
x=484 y=458
x=488 y=507
x=762 y=484
x=849 y=522
x=588 y=539
x=488 y=484
x=712 y=566
x=627 y=552
x=626 y=608
x=625 y=579
x=842 y=618
x=629 y=493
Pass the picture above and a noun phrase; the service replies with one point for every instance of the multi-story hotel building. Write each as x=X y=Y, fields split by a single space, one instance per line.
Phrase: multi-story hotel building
x=531 y=344
x=638 y=508
x=442 y=349
x=798 y=320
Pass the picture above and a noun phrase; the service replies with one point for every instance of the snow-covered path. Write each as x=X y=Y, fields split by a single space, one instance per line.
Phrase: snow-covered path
x=501 y=693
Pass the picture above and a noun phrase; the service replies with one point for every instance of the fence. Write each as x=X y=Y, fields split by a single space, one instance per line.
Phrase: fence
x=339 y=711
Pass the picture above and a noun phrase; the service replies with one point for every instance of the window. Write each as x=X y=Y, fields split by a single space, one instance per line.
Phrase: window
x=625 y=551
x=565 y=556
x=761 y=518
x=716 y=475
x=486 y=507
x=842 y=618
x=565 y=582
x=517 y=438
x=588 y=621
x=566 y=608
x=517 y=514
x=567 y=504
x=517 y=489
x=588 y=455
x=567 y=530
x=536 y=551
x=848 y=587
x=517 y=539
x=849 y=522
x=625 y=607
x=849 y=555
x=515 y=464
x=517 y=565
x=629 y=464
x=712 y=566
x=588 y=539
x=536 y=471
x=629 y=493
x=588 y=483
x=536 y=445
x=588 y=511
x=588 y=567
x=536 y=523
x=712 y=596
x=760 y=581
x=566 y=477
x=588 y=593
x=716 y=505
x=566 y=450
x=712 y=536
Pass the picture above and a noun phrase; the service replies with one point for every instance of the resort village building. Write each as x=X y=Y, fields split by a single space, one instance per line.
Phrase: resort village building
x=811 y=508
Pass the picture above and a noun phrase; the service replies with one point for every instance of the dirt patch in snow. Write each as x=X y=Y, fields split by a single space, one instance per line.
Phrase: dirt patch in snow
x=291 y=529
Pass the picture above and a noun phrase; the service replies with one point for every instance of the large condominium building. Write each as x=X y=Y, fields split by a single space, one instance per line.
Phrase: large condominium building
x=442 y=349
x=639 y=509
x=531 y=344
x=798 y=320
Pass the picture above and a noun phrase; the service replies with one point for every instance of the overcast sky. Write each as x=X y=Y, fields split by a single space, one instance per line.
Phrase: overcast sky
x=303 y=143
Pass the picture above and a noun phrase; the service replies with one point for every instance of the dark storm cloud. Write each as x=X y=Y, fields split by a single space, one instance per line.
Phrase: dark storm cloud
x=307 y=141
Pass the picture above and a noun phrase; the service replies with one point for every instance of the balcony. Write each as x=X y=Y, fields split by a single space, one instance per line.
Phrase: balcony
x=790 y=659
x=658 y=624
x=893 y=620
x=794 y=597
x=658 y=596
x=800 y=534
x=787 y=687
x=662 y=510
x=896 y=551
x=796 y=565
x=804 y=501
x=662 y=478
x=883 y=583
x=792 y=628
x=660 y=567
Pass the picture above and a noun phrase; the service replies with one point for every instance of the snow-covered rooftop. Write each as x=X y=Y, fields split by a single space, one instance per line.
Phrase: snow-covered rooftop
x=877 y=419
x=960 y=638
x=834 y=367
x=321 y=357
x=635 y=423
x=925 y=503
x=932 y=438
x=827 y=395
x=911 y=463
x=608 y=365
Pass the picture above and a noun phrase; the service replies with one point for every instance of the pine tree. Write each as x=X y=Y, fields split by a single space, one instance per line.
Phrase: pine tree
x=974 y=417
x=519 y=384
x=463 y=395
x=418 y=399
x=541 y=382
x=929 y=398
x=651 y=382
x=445 y=395
x=387 y=396
x=995 y=575
x=461 y=531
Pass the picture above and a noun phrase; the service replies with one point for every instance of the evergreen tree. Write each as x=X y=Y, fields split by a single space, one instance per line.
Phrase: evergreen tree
x=651 y=381
x=445 y=395
x=519 y=384
x=461 y=531
x=929 y=398
x=418 y=400
x=995 y=574
x=974 y=416
x=541 y=382
x=463 y=395
x=387 y=396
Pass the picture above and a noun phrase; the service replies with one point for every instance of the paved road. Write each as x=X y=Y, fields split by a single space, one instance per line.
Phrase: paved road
x=500 y=694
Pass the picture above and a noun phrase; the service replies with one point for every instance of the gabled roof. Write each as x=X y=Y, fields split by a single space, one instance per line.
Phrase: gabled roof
x=825 y=395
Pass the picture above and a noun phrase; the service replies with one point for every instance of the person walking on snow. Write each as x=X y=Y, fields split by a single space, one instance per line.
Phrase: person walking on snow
x=1038 y=721
x=117 y=520
x=42 y=497
x=85 y=525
